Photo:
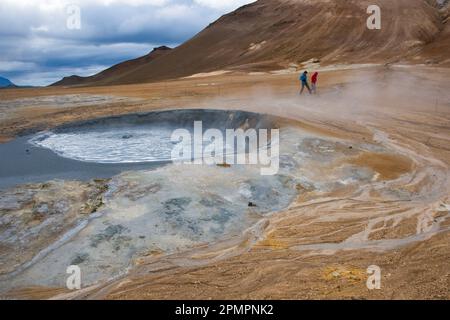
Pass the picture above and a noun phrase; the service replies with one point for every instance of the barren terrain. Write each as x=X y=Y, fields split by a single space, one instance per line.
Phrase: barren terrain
x=322 y=244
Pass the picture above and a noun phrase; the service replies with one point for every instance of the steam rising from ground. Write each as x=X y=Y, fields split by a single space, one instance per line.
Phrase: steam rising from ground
x=356 y=97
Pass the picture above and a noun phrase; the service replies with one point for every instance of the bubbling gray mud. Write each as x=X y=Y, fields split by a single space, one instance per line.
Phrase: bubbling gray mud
x=138 y=138
x=106 y=147
x=167 y=210
x=175 y=208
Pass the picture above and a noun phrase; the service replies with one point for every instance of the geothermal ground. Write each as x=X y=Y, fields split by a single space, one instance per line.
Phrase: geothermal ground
x=363 y=180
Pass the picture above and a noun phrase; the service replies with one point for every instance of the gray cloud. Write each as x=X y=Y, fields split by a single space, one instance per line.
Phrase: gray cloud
x=37 y=47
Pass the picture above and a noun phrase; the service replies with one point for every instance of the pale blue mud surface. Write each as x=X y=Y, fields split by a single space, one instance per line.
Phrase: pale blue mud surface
x=102 y=148
x=173 y=208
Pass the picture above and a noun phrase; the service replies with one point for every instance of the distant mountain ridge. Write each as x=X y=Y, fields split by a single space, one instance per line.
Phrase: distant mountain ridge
x=115 y=71
x=274 y=34
x=6 y=83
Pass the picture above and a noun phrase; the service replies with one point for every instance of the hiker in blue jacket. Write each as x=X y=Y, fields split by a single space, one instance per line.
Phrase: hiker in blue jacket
x=304 y=81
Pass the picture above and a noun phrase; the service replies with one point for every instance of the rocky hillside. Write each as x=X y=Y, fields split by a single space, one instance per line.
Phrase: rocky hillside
x=272 y=34
x=6 y=83
x=115 y=71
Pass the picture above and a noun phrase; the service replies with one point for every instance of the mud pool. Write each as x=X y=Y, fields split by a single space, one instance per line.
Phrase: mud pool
x=161 y=211
x=105 y=147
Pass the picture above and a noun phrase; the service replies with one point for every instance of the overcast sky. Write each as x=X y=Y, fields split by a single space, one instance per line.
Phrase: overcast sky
x=40 y=41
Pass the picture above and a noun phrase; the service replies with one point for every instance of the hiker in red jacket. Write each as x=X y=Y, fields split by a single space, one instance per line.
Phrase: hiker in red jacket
x=314 y=82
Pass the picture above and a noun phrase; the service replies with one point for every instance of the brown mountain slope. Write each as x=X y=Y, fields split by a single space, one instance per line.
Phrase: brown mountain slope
x=438 y=51
x=271 y=34
x=117 y=70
